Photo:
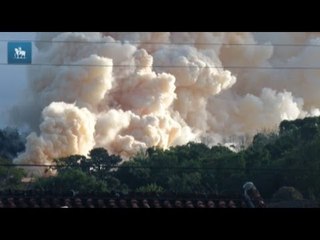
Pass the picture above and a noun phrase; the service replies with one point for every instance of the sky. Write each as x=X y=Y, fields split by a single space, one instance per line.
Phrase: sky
x=13 y=78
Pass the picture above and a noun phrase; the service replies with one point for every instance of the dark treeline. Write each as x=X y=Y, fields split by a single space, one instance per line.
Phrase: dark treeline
x=11 y=143
x=289 y=157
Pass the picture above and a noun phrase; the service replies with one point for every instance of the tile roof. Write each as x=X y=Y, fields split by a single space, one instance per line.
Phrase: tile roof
x=88 y=202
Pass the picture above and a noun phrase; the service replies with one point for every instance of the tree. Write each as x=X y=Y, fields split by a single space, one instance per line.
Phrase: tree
x=73 y=180
x=99 y=166
x=10 y=177
x=287 y=194
x=150 y=188
x=11 y=143
x=290 y=158
x=101 y=163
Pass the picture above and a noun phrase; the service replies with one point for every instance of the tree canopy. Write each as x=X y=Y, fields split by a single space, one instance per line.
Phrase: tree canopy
x=288 y=157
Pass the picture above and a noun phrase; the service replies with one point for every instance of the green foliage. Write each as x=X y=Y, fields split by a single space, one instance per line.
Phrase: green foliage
x=11 y=143
x=95 y=173
x=287 y=194
x=290 y=158
x=73 y=180
x=10 y=177
x=150 y=188
x=180 y=169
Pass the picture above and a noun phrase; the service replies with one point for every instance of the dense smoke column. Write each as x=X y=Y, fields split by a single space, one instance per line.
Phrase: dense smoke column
x=129 y=91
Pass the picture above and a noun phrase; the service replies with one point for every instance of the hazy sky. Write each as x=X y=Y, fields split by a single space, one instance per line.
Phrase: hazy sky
x=12 y=77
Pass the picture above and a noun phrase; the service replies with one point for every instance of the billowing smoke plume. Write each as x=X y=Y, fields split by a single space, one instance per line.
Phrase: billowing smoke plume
x=129 y=91
x=65 y=130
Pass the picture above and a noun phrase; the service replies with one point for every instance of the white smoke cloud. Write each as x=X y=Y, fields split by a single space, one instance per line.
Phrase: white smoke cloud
x=129 y=91
x=250 y=113
x=65 y=130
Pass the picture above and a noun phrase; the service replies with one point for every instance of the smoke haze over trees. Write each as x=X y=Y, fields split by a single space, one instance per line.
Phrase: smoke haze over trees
x=130 y=91
x=273 y=160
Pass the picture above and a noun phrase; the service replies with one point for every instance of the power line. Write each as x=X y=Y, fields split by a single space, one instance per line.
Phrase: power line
x=161 y=66
x=164 y=43
x=166 y=167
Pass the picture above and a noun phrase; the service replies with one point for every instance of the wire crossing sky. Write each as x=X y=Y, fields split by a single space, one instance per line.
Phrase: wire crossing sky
x=129 y=91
